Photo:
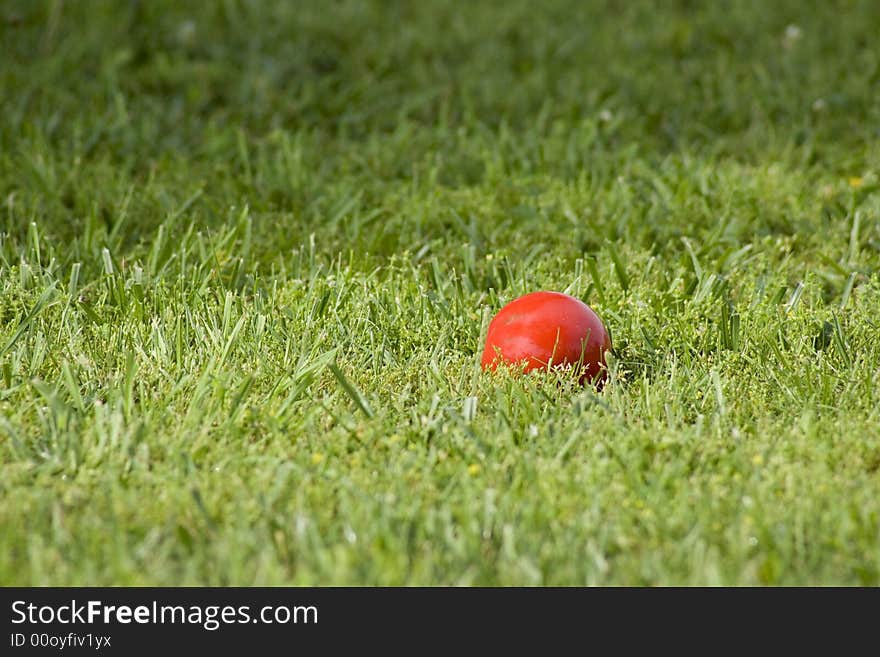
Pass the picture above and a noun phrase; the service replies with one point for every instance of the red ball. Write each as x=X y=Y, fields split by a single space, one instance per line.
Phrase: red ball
x=548 y=329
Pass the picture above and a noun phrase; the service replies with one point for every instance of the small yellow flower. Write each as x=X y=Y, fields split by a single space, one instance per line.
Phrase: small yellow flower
x=474 y=469
x=758 y=459
x=856 y=181
x=317 y=457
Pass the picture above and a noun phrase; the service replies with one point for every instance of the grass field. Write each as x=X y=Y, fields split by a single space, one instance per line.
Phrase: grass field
x=249 y=251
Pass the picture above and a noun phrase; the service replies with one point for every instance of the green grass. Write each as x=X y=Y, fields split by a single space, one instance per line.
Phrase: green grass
x=248 y=251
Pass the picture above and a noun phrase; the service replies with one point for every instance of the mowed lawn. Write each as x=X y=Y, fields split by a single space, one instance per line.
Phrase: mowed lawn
x=249 y=250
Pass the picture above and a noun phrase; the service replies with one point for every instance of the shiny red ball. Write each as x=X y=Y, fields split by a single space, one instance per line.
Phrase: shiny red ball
x=548 y=329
